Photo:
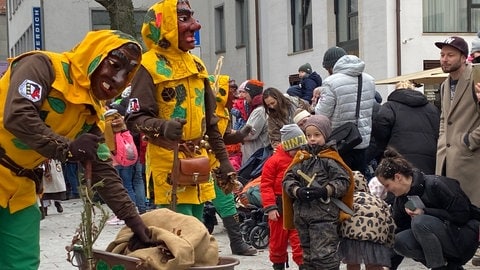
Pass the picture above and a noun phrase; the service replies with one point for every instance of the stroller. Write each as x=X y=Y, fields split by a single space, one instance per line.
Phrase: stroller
x=254 y=228
x=254 y=221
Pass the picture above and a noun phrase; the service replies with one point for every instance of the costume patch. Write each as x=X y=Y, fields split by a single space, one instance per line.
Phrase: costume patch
x=133 y=105
x=30 y=90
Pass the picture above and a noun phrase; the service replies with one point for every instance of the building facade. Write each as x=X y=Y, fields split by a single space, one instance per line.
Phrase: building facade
x=270 y=39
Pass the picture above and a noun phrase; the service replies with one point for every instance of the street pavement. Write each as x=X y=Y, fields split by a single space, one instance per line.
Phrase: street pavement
x=57 y=230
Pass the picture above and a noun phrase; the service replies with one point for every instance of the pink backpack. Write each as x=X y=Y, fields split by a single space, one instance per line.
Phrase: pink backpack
x=126 y=153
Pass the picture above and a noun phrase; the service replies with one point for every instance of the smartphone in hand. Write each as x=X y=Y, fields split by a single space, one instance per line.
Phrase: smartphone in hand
x=414 y=202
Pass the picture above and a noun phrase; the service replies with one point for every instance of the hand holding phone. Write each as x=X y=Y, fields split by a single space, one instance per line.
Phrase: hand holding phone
x=415 y=205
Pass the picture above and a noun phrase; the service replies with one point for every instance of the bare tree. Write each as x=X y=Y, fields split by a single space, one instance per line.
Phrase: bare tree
x=121 y=15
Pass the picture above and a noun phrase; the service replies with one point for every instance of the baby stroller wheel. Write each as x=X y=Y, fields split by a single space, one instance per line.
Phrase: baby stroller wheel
x=259 y=237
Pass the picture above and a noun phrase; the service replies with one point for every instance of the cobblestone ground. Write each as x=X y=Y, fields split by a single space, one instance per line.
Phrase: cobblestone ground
x=56 y=232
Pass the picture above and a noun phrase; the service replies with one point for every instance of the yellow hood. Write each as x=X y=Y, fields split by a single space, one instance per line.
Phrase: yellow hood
x=87 y=55
x=160 y=25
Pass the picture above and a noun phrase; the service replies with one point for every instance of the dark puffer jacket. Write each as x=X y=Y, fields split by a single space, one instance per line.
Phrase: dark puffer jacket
x=304 y=89
x=410 y=124
x=444 y=199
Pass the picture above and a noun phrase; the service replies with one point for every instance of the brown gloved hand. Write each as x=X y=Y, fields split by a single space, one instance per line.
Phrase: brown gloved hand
x=173 y=129
x=142 y=237
x=83 y=148
x=238 y=136
x=226 y=176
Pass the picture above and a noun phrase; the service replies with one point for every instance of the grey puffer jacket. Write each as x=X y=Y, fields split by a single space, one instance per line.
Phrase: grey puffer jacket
x=338 y=100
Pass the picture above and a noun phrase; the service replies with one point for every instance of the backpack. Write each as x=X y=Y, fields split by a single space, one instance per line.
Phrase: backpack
x=126 y=153
x=250 y=194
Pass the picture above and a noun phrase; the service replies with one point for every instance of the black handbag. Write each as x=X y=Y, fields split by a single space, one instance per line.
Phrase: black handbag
x=347 y=136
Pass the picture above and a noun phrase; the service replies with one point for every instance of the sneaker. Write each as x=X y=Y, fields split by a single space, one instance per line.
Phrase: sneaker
x=115 y=221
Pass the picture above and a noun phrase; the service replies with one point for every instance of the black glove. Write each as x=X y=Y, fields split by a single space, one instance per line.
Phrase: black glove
x=142 y=237
x=311 y=193
x=83 y=148
x=173 y=129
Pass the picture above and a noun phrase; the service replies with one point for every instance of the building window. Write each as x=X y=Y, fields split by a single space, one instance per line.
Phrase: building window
x=441 y=16
x=241 y=22
x=24 y=44
x=346 y=13
x=301 y=20
x=219 y=30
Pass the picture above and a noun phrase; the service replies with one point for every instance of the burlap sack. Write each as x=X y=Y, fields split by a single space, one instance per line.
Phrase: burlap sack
x=185 y=236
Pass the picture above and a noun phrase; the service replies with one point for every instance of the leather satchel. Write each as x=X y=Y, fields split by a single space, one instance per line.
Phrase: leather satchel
x=194 y=171
x=347 y=135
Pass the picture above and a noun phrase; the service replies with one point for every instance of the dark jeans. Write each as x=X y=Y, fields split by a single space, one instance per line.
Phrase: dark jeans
x=126 y=173
x=139 y=186
x=430 y=241
x=70 y=173
x=132 y=177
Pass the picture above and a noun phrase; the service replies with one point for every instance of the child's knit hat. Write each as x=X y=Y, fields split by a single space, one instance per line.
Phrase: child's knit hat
x=254 y=87
x=292 y=137
x=299 y=115
x=307 y=68
x=322 y=123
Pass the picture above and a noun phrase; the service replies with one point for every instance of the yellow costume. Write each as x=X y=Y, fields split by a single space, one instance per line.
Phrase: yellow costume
x=64 y=105
x=179 y=91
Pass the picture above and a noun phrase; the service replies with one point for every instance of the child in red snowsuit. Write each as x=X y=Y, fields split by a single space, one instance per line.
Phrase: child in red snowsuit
x=292 y=137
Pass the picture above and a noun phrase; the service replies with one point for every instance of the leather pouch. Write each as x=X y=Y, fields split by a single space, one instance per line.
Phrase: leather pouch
x=194 y=171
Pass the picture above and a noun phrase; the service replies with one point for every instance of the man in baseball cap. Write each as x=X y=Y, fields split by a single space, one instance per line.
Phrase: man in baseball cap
x=456 y=42
x=453 y=56
x=460 y=120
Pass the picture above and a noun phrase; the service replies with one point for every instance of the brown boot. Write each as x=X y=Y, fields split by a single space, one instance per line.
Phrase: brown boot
x=237 y=244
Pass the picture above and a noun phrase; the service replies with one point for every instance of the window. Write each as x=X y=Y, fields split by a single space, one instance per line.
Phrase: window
x=440 y=16
x=241 y=22
x=24 y=44
x=346 y=14
x=219 y=30
x=301 y=20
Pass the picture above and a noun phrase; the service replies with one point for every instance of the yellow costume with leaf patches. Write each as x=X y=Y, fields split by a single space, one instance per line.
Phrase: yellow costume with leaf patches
x=179 y=79
x=65 y=107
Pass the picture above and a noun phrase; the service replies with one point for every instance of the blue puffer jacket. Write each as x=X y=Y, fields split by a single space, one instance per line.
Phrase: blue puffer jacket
x=338 y=99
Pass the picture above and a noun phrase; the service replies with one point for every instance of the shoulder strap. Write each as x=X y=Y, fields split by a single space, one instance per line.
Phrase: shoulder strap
x=359 y=96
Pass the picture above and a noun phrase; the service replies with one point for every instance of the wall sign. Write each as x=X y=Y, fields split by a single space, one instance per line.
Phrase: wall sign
x=37 y=28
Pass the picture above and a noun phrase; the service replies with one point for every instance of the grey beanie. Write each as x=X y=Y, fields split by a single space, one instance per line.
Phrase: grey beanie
x=476 y=43
x=292 y=137
x=332 y=55
x=306 y=68
x=322 y=123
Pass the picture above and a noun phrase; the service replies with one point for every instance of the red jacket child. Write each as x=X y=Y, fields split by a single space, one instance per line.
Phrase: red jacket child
x=292 y=138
